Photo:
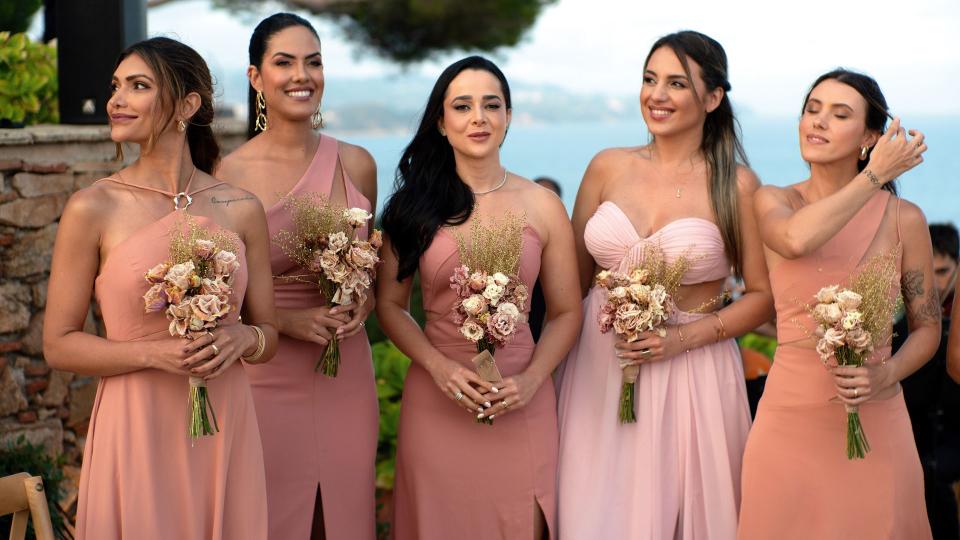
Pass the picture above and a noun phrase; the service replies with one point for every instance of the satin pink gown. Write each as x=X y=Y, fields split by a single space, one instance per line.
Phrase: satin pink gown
x=675 y=473
x=142 y=476
x=797 y=480
x=317 y=431
x=456 y=478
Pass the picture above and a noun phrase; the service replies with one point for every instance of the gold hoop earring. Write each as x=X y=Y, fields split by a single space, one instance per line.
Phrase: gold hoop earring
x=317 y=119
x=261 y=123
x=181 y=126
x=863 y=153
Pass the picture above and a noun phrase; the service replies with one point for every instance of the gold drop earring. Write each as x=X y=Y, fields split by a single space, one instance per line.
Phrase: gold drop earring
x=317 y=119
x=261 y=123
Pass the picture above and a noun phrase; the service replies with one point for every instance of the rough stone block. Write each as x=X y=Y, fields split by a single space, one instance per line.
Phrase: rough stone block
x=11 y=164
x=40 y=293
x=48 y=433
x=14 y=307
x=58 y=167
x=31 y=254
x=27 y=417
x=36 y=369
x=33 y=342
x=11 y=391
x=58 y=390
x=33 y=211
x=82 y=393
x=6 y=239
x=34 y=185
x=35 y=387
x=9 y=346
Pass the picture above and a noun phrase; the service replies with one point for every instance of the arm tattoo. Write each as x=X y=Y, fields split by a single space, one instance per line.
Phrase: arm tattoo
x=922 y=310
x=215 y=200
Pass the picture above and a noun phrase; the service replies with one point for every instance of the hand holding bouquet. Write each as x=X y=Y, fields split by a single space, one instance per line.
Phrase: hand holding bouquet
x=325 y=242
x=193 y=288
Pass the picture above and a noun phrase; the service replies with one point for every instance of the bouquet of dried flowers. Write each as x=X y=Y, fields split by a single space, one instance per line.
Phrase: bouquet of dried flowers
x=193 y=289
x=324 y=241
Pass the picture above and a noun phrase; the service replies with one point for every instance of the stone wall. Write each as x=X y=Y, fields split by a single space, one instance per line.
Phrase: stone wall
x=40 y=167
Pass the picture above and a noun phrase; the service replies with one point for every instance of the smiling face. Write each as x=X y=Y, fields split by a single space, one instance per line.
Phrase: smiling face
x=475 y=115
x=290 y=74
x=833 y=124
x=135 y=106
x=667 y=100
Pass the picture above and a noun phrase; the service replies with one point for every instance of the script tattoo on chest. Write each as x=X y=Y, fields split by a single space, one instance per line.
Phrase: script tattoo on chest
x=215 y=200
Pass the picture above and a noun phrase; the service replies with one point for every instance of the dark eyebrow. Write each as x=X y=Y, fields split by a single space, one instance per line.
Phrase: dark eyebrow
x=288 y=55
x=669 y=77
x=136 y=76
x=833 y=106
x=490 y=96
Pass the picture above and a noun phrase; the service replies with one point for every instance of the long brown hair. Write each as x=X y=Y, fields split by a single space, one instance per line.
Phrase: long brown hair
x=721 y=144
x=180 y=71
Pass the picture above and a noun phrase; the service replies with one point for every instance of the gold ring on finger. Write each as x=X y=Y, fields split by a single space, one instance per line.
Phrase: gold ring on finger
x=216 y=350
x=505 y=404
x=646 y=353
x=856 y=392
x=458 y=396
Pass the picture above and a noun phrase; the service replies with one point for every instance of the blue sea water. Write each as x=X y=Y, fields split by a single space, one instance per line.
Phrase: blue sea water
x=563 y=151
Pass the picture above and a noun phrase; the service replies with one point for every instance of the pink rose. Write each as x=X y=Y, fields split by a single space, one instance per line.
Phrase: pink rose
x=363 y=256
x=214 y=286
x=225 y=263
x=501 y=325
x=474 y=304
x=173 y=293
x=472 y=331
x=376 y=239
x=183 y=276
x=478 y=281
x=860 y=340
x=209 y=307
x=155 y=299
x=328 y=260
x=157 y=273
x=204 y=249
x=179 y=315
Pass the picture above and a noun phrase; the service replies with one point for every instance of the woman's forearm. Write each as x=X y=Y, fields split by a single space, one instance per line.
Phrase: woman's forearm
x=751 y=310
x=558 y=336
x=86 y=354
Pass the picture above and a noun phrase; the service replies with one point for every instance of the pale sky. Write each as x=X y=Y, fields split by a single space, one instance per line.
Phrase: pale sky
x=775 y=49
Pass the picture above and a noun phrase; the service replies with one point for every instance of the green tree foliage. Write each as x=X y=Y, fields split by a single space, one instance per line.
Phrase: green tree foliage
x=28 y=80
x=406 y=31
x=15 y=15
x=390 y=368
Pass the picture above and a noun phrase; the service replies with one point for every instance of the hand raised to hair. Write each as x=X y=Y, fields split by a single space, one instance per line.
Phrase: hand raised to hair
x=895 y=154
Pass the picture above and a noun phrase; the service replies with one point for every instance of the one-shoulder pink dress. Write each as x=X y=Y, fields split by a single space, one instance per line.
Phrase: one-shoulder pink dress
x=317 y=431
x=675 y=473
x=456 y=478
x=797 y=480
x=142 y=476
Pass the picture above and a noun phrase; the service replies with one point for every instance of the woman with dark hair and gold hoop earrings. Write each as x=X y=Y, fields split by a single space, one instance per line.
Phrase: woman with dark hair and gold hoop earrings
x=319 y=433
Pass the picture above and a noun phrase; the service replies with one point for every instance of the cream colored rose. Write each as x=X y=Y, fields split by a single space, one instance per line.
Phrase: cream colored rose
x=478 y=281
x=860 y=340
x=214 y=286
x=618 y=293
x=836 y=338
x=827 y=295
x=474 y=304
x=829 y=314
x=356 y=217
x=638 y=275
x=154 y=299
x=337 y=241
x=501 y=326
x=225 y=263
x=639 y=292
x=363 y=257
x=493 y=292
x=509 y=309
x=500 y=279
x=339 y=273
x=209 y=307
x=329 y=260
x=182 y=276
x=158 y=272
x=204 y=249
x=851 y=320
x=472 y=331
x=179 y=315
x=825 y=350
x=603 y=278
x=849 y=300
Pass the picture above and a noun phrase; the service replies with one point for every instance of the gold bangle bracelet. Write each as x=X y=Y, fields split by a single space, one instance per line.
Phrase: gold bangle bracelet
x=261 y=345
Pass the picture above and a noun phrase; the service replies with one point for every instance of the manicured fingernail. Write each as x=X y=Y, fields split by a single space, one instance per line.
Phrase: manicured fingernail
x=491 y=416
x=495 y=390
x=480 y=409
x=480 y=415
x=486 y=403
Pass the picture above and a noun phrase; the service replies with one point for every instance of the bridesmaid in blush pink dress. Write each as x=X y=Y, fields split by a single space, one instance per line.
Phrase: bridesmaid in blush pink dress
x=675 y=472
x=456 y=477
x=142 y=475
x=319 y=433
x=797 y=480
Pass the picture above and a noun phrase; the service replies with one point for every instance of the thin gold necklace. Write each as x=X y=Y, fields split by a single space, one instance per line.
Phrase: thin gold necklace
x=498 y=186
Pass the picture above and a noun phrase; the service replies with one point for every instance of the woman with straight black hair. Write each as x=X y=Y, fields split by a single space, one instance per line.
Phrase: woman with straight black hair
x=800 y=478
x=457 y=477
x=319 y=433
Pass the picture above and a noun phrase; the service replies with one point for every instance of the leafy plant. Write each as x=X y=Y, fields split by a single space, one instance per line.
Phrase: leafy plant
x=762 y=344
x=28 y=80
x=390 y=368
x=23 y=456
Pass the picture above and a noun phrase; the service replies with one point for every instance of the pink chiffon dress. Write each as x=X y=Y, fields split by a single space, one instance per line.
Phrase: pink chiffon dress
x=142 y=475
x=675 y=473
x=319 y=433
x=456 y=478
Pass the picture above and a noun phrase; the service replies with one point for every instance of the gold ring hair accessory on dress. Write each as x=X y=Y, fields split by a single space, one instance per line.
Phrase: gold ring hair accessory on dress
x=261 y=345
